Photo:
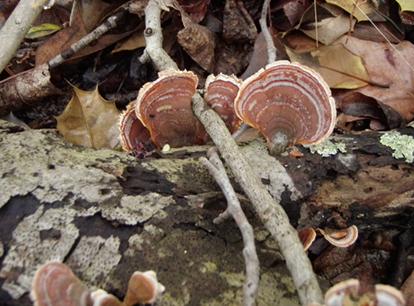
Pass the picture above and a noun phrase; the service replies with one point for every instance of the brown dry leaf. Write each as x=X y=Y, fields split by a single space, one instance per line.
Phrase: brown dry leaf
x=199 y=42
x=86 y=16
x=339 y=67
x=329 y=29
x=89 y=120
x=354 y=7
x=196 y=9
x=388 y=66
x=135 y=41
x=238 y=25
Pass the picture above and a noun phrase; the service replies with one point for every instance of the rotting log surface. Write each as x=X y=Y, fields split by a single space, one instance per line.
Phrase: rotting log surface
x=106 y=215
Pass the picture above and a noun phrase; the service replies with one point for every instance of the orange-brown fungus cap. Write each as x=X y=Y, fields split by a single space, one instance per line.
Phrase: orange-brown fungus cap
x=307 y=236
x=54 y=284
x=132 y=131
x=341 y=238
x=289 y=99
x=102 y=298
x=221 y=90
x=164 y=107
x=143 y=288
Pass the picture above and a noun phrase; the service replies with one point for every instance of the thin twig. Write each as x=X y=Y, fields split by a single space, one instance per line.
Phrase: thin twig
x=107 y=25
x=270 y=212
x=271 y=50
x=16 y=27
x=217 y=170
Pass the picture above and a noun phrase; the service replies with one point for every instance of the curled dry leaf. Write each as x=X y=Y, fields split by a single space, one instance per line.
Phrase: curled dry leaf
x=199 y=42
x=89 y=120
x=361 y=10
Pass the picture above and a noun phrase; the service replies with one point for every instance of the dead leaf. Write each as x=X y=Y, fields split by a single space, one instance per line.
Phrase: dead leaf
x=361 y=10
x=42 y=30
x=329 y=29
x=135 y=41
x=389 y=66
x=406 y=5
x=196 y=9
x=238 y=25
x=199 y=42
x=89 y=120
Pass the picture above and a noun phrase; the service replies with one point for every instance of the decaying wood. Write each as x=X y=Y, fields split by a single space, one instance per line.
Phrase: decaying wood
x=60 y=201
x=26 y=89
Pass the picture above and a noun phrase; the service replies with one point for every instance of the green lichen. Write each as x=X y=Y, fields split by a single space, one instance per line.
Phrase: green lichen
x=402 y=145
x=327 y=148
x=208 y=267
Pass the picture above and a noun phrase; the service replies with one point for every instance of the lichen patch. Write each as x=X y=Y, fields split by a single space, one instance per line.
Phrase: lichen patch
x=402 y=145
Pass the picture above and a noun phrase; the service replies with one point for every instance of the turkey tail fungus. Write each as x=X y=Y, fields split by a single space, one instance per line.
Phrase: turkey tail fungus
x=164 y=108
x=54 y=284
x=143 y=288
x=289 y=103
x=220 y=92
x=341 y=238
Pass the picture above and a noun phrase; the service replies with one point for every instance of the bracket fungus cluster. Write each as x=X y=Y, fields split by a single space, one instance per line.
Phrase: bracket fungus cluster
x=163 y=109
x=289 y=103
x=54 y=284
x=342 y=238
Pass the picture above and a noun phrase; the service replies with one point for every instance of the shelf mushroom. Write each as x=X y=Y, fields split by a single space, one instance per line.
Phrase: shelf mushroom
x=348 y=293
x=143 y=288
x=341 y=238
x=164 y=108
x=307 y=236
x=289 y=103
x=220 y=92
x=55 y=284
x=133 y=133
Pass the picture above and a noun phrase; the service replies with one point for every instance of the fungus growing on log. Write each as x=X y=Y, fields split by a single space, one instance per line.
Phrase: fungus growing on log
x=349 y=293
x=102 y=298
x=143 y=288
x=132 y=133
x=164 y=108
x=55 y=284
x=341 y=238
x=289 y=103
x=220 y=92
x=307 y=236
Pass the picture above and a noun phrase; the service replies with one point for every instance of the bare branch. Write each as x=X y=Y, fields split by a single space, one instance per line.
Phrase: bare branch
x=271 y=50
x=16 y=27
x=271 y=213
x=217 y=170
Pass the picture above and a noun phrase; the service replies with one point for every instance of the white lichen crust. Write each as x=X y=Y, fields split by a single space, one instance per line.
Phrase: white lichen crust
x=402 y=145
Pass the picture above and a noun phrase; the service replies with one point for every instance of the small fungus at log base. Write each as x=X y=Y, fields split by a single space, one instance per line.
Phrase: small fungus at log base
x=341 y=238
x=54 y=284
x=164 y=108
x=102 y=298
x=348 y=293
x=133 y=133
x=143 y=288
x=220 y=92
x=307 y=236
x=289 y=103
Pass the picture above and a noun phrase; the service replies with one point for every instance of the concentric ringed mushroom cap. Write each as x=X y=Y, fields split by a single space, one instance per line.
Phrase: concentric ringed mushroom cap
x=54 y=284
x=287 y=100
x=132 y=131
x=220 y=92
x=164 y=107
x=341 y=238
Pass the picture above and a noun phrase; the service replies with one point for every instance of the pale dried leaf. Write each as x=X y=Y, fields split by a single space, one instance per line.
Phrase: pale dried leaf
x=406 y=5
x=89 y=120
x=135 y=41
x=350 y=6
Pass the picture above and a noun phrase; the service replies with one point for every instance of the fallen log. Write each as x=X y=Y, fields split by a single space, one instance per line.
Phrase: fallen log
x=106 y=214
